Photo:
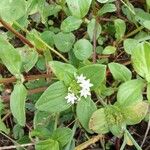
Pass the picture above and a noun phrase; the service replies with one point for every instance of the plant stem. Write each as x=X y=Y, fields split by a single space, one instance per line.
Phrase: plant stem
x=56 y=121
x=20 y=36
x=30 y=92
x=123 y=145
x=17 y=144
x=146 y=133
x=44 y=43
x=131 y=33
x=27 y=78
x=133 y=141
x=89 y=142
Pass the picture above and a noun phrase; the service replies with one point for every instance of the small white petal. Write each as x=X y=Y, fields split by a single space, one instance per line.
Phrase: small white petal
x=80 y=78
x=86 y=84
x=71 y=98
x=85 y=93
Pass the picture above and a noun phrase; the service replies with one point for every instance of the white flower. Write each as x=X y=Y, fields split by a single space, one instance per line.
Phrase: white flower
x=80 y=78
x=86 y=84
x=71 y=98
x=84 y=92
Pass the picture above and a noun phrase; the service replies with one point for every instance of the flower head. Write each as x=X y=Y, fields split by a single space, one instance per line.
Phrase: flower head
x=80 y=78
x=82 y=89
x=85 y=93
x=71 y=98
x=86 y=84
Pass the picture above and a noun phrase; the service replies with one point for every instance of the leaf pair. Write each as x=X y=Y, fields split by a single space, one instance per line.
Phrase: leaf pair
x=128 y=110
x=53 y=99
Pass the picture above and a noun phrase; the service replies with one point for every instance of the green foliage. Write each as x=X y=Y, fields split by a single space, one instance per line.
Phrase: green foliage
x=130 y=90
x=62 y=135
x=72 y=68
x=64 y=41
x=96 y=74
x=10 y=57
x=46 y=144
x=64 y=72
x=93 y=27
x=71 y=23
x=82 y=49
x=17 y=100
x=53 y=99
x=120 y=27
x=140 y=58
x=79 y=8
x=109 y=50
x=108 y=7
x=120 y=72
x=15 y=7
x=129 y=45
x=85 y=108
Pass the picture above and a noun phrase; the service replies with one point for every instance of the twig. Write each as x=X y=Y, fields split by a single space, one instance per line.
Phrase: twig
x=146 y=133
x=94 y=43
x=89 y=142
x=43 y=42
x=20 y=36
x=26 y=41
x=30 y=92
x=117 y=3
x=16 y=146
x=27 y=78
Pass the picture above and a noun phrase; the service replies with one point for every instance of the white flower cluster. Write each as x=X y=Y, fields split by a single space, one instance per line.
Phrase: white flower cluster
x=84 y=92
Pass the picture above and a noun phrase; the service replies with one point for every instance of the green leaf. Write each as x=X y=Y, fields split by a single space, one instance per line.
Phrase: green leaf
x=120 y=27
x=103 y=1
x=47 y=145
x=143 y=17
x=134 y=114
x=64 y=72
x=98 y=122
x=83 y=49
x=35 y=37
x=53 y=99
x=96 y=73
x=29 y=59
x=107 y=8
x=62 y=135
x=3 y=127
x=94 y=28
x=79 y=8
x=11 y=10
x=17 y=103
x=41 y=119
x=64 y=41
x=115 y=119
x=130 y=92
x=71 y=23
x=129 y=45
x=48 y=37
x=120 y=72
x=140 y=59
x=18 y=131
x=116 y=130
x=109 y=50
x=10 y=57
x=85 y=109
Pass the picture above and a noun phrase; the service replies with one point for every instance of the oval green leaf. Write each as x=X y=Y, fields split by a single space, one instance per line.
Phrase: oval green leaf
x=53 y=99
x=85 y=109
x=83 y=49
x=17 y=103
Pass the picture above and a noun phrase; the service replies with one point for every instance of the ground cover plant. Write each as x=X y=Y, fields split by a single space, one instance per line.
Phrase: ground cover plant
x=74 y=74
